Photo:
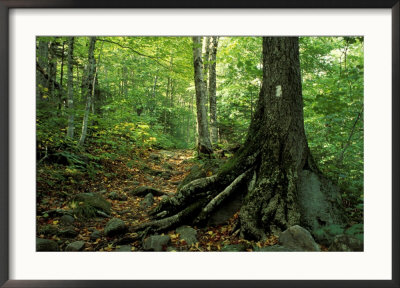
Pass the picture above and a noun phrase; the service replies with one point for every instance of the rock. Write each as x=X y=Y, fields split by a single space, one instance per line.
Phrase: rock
x=156 y=243
x=234 y=248
x=115 y=227
x=148 y=200
x=67 y=220
x=154 y=157
x=95 y=235
x=188 y=234
x=48 y=230
x=275 y=248
x=116 y=196
x=75 y=246
x=297 y=237
x=227 y=209
x=94 y=200
x=46 y=245
x=68 y=232
x=124 y=248
x=144 y=190
x=320 y=204
x=346 y=243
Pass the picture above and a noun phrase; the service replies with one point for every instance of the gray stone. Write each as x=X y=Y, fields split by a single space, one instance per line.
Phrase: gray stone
x=48 y=230
x=275 y=248
x=188 y=234
x=95 y=235
x=297 y=237
x=68 y=232
x=156 y=243
x=67 y=220
x=46 y=245
x=346 y=243
x=117 y=196
x=75 y=246
x=320 y=204
x=148 y=200
x=234 y=248
x=124 y=248
x=94 y=200
x=226 y=210
x=144 y=190
x=115 y=227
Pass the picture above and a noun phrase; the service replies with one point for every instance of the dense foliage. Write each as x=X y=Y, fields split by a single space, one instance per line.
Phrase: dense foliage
x=144 y=97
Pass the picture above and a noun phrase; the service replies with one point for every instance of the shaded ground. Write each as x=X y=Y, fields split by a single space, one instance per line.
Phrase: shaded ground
x=160 y=169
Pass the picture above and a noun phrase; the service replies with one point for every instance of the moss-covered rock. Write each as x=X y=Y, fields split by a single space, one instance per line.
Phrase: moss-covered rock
x=92 y=200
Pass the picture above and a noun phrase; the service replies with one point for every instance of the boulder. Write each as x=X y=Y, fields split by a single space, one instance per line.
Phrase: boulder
x=234 y=248
x=320 y=205
x=115 y=227
x=226 y=210
x=95 y=235
x=298 y=238
x=156 y=243
x=116 y=196
x=124 y=248
x=46 y=245
x=144 y=190
x=188 y=234
x=346 y=243
x=48 y=230
x=148 y=200
x=67 y=220
x=68 y=232
x=75 y=246
x=94 y=200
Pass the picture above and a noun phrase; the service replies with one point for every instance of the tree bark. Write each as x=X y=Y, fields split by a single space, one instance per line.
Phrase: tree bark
x=203 y=143
x=274 y=172
x=89 y=89
x=70 y=88
x=213 y=91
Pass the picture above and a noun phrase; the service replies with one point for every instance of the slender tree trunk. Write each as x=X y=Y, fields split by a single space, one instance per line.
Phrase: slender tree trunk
x=70 y=88
x=42 y=60
x=89 y=89
x=52 y=73
x=203 y=143
x=206 y=65
x=213 y=91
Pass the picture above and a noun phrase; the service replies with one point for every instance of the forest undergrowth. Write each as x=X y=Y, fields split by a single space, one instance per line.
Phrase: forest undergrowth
x=176 y=164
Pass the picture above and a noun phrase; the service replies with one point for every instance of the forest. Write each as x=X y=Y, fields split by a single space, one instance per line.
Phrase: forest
x=212 y=143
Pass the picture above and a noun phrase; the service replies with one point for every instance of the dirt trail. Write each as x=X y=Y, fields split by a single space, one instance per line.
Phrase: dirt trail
x=159 y=169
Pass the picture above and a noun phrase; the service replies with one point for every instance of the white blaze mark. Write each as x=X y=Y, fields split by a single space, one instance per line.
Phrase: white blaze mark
x=278 y=91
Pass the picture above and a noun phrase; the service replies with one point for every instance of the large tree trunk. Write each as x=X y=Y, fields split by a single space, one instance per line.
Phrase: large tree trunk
x=89 y=89
x=213 y=91
x=203 y=143
x=273 y=176
x=70 y=88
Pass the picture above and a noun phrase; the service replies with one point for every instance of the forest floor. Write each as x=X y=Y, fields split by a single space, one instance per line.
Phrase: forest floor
x=159 y=169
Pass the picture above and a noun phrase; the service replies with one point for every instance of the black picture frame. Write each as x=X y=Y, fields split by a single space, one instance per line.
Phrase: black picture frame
x=6 y=5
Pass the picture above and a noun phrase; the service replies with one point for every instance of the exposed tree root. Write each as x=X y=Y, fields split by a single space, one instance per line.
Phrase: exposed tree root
x=221 y=197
